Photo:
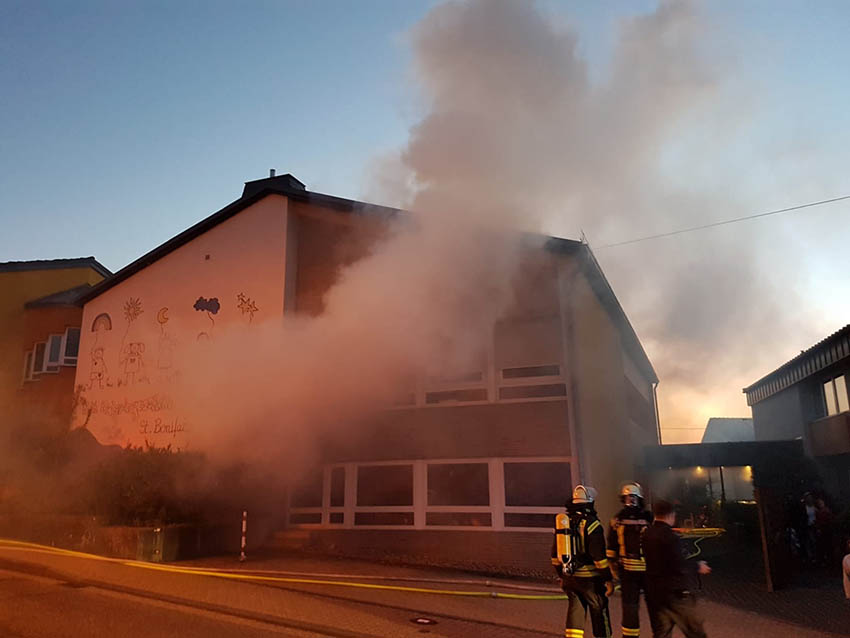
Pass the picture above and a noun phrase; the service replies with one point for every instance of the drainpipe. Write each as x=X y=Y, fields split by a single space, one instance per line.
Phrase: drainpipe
x=657 y=418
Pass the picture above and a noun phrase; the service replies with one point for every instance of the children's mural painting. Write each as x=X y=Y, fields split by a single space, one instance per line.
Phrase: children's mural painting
x=128 y=393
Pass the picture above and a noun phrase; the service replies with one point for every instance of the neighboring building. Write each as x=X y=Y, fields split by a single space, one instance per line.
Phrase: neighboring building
x=806 y=398
x=728 y=430
x=566 y=393
x=40 y=318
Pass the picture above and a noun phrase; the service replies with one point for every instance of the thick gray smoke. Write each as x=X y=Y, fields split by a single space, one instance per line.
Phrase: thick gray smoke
x=515 y=123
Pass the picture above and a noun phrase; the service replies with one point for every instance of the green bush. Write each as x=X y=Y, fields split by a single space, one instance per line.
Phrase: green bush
x=144 y=486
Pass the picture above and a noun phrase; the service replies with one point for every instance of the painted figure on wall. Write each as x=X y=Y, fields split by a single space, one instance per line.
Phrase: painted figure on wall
x=131 y=353
x=132 y=362
x=98 y=369
x=165 y=356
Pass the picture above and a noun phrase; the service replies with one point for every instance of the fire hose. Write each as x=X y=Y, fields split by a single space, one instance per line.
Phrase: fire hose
x=314 y=580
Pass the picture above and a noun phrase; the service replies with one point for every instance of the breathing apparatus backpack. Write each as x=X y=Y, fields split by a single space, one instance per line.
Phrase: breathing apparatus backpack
x=567 y=541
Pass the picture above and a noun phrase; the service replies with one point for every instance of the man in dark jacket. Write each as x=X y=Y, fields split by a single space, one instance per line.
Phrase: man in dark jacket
x=669 y=579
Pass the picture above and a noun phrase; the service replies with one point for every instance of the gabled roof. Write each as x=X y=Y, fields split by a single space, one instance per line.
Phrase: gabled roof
x=821 y=355
x=70 y=297
x=294 y=189
x=285 y=185
x=55 y=264
x=727 y=430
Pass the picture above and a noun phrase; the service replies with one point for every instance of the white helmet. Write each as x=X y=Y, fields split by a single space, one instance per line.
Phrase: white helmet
x=582 y=494
x=631 y=489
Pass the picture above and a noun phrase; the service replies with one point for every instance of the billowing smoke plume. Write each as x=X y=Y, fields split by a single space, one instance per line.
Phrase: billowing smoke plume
x=517 y=133
x=517 y=121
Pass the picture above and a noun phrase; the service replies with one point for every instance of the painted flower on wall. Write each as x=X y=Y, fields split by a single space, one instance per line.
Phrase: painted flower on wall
x=132 y=309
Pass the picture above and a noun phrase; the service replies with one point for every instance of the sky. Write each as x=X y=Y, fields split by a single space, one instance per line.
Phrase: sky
x=121 y=124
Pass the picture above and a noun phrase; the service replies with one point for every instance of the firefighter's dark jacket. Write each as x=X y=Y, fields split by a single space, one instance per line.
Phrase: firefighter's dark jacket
x=667 y=571
x=591 y=559
x=624 y=538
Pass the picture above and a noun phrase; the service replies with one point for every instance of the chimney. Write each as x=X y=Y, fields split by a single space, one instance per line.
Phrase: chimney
x=275 y=183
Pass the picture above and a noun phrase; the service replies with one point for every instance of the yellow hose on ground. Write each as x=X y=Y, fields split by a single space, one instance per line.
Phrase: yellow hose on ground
x=43 y=549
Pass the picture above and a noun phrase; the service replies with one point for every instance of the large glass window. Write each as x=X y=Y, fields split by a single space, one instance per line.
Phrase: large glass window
x=537 y=484
x=384 y=485
x=309 y=491
x=338 y=487
x=429 y=494
x=458 y=484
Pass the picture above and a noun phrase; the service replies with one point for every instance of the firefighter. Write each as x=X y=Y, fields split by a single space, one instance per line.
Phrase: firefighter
x=625 y=554
x=583 y=567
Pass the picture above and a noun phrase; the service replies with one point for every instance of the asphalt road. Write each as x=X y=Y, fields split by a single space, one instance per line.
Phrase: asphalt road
x=43 y=593
x=38 y=607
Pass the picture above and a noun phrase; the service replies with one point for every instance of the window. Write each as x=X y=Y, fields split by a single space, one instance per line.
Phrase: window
x=436 y=494
x=309 y=492
x=456 y=396
x=53 y=353
x=38 y=361
x=71 y=347
x=533 y=391
x=28 y=359
x=835 y=396
x=461 y=380
x=458 y=484
x=531 y=371
x=540 y=484
x=338 y=487
x=384 y=485
x=384 y=495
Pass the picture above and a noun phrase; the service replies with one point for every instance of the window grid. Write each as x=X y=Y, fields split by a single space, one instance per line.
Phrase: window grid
x=420 y=508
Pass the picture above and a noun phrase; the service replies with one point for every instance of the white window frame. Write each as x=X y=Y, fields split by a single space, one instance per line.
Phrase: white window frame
x=357 y=509
x=29 y=358
x=492 y=381
x=552 y=379
x=420 y=508
x=66 y=360
x=39 y=370
x=53 y=364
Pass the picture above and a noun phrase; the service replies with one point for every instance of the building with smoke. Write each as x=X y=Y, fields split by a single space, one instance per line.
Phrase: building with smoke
x=40 y=325
x=450 y=405
x=806 y=398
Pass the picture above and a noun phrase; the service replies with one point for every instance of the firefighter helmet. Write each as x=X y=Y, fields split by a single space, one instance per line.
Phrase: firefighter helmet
x=631 y=489
x=583 y=494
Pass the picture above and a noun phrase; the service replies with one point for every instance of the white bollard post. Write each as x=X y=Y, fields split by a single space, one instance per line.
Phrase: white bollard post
x=244 y=532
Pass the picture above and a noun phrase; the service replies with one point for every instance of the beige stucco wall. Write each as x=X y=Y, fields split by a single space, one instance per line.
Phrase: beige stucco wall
x=127 y=374
x=611 y=445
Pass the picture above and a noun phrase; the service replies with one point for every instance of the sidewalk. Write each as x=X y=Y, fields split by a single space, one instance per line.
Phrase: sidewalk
x=347 y=611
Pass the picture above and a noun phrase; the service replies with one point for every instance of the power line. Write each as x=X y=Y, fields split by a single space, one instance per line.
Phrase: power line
x=726 y=221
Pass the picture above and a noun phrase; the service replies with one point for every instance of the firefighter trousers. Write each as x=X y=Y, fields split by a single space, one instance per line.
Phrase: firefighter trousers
x=631 y=585
x=586 y=596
